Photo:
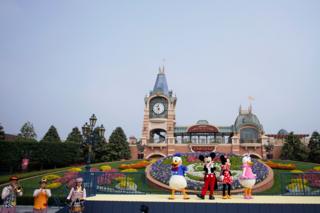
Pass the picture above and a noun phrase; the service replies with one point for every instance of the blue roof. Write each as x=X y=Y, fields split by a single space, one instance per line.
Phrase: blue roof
x=161 y=84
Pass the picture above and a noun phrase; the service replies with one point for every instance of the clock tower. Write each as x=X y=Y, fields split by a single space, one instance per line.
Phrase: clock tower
x=159 y=119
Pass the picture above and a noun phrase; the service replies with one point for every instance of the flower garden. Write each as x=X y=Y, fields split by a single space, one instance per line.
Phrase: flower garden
x=161 y=170
x=295 y=178
x=125 y=178
x=290 y=177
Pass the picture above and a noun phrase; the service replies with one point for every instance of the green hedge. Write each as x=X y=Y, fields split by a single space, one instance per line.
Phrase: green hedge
x=42 y=155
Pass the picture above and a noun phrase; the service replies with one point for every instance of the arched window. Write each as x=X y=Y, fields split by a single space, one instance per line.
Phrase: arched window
x=249 y=135
x=158 y=136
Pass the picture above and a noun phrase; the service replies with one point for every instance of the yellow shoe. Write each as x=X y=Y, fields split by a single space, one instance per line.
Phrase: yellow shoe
x=229 y=196
x=171 y=198
x=225 y=197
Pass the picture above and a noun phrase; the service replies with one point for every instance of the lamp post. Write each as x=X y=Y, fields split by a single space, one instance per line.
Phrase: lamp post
x=89 y=137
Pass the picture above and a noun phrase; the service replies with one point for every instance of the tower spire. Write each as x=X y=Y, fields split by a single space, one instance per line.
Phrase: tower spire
x=161 y=84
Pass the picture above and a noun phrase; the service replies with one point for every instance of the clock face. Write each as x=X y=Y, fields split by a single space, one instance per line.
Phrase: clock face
x=158 y=108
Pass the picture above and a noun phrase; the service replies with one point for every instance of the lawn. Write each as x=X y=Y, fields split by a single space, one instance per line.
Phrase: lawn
x=59 y=194
x=30 y=183
x=276 y=188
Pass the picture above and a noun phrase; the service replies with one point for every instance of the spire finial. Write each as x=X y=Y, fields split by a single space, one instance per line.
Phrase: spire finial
x=161 y=69
x=250 y=98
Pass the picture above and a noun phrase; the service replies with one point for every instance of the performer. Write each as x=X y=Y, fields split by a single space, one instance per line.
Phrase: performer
x=177 y=180
x=41 y=197
x=247 y=179
x=9 y=195
x=77 y=196
x=226 y=177
x=210 y=180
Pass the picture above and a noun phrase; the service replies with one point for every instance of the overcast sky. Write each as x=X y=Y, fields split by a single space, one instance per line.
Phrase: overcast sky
x=61 y=61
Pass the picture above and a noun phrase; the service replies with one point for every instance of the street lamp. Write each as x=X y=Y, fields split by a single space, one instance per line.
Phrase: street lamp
x=89 y=136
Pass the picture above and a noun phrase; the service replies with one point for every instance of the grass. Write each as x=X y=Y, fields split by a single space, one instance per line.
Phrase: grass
x=30 y=184
x=22 y=175
x=276 y=188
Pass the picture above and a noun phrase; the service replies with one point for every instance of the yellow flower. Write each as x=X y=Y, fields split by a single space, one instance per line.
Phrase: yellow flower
x=75 y=169
x=51 y=177
x=317 y=168
x=54 y=185
x=119 y=179
x=299 y=181
x=296 y=171
x=129 y=170
x=126 y=184
x=105 y=168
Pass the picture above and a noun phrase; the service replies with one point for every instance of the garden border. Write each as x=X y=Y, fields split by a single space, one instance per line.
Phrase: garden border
x=260 y=187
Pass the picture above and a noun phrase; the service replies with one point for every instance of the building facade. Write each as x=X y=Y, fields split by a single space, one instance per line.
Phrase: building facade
x=161 y=137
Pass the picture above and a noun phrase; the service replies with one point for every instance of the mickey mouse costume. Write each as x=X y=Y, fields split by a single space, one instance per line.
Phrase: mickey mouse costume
x=210 y=180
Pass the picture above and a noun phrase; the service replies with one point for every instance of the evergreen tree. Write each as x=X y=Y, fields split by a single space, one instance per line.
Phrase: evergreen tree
x=2 y=133
x=314 y=146
x=51 y=136
x=118 y=146
x=99 y=147
x=27 y=133
x=75 y=136
x=294 y=149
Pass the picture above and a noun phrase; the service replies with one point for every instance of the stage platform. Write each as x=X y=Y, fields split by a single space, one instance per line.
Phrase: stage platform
x=161 y=204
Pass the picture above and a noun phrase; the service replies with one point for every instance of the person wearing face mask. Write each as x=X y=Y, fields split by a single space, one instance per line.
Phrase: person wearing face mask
x=9 y=195
x=41 y=197
x=77 y=196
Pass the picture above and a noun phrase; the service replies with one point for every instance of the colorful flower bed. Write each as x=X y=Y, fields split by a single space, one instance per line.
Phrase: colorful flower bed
x=53 y=181
x=284 y=166
x=138 y=165
x=161 y=170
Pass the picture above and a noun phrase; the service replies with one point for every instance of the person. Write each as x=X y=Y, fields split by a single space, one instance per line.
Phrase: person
x=77 y=196
x=9 y=195
x=248 y=178
x=226 y=177
x=210 y=180
x=177 y=180
x=41 y=197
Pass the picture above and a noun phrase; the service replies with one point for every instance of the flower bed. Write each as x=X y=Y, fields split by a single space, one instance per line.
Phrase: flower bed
x=161 y=170
x=139 y=165
x=53 y=182
x=284 y=166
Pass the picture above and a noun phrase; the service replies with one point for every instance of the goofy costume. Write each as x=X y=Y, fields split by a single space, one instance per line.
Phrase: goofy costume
x=210 y=180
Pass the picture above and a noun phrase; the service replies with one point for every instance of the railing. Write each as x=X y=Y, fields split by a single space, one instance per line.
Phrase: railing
x=300 y=184
x=114 y=183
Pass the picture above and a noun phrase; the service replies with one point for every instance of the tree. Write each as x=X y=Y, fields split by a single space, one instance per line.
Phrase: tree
x=51 y=136
x=269 y=148
x=100 y=149
x=75 y=136
x=118 y=146
x=27 y=133
x=294 y=149
x=314 y=146
x=2 y=133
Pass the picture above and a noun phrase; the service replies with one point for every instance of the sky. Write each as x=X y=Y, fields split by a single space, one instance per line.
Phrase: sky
x=61 y=61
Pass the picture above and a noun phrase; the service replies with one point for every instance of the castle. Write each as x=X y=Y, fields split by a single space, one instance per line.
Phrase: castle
x=161 y=137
